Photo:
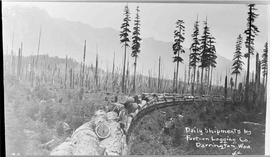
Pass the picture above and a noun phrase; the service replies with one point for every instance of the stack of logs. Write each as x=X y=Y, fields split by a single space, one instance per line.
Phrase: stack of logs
x=110 y=139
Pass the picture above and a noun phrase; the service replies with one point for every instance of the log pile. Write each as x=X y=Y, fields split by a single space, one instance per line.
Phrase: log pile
x=85 y=140
x=105 y=133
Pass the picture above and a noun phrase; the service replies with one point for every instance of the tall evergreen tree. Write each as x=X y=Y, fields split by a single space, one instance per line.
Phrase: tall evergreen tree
x=124 y=34
x=237 y=59
x=194 y=55
x=212 y=59
x=265 y=63
x=250 y=32
x=136 y=44
x=204 y=51
x=177 y=47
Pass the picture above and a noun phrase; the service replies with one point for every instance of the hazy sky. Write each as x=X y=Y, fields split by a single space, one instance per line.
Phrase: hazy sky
x=226 y=21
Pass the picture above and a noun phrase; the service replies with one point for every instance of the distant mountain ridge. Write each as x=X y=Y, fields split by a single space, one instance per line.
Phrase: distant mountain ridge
x=61 y=37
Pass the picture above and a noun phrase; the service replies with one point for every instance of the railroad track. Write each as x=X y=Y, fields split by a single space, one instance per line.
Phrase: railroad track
x=159 y=105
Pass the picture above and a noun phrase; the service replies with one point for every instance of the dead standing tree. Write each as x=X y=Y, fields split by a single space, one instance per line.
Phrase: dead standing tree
x=106 y=79
x=231 y=84
x=96 y=73
x=19 y=63
x=264 y=67
x=225 y=88
x=71 y=80
x=81 y=92
x=83 y=65
x=113 y=67
x=34 y=65
x=159 y=81
x=66 y=72
x=12 y=57
x=37 y=57
x=149 y=79
x=265 y=63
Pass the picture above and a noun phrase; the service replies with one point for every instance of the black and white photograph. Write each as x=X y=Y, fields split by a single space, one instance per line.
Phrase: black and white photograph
x=135 y=78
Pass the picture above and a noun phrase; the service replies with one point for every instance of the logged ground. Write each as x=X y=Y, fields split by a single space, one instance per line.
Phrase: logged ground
x=149 y=138
x=33 y=115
